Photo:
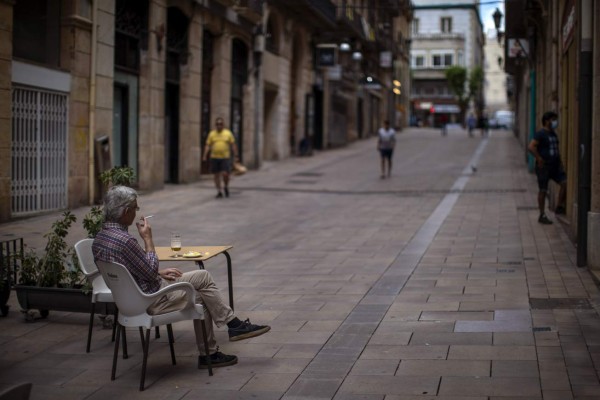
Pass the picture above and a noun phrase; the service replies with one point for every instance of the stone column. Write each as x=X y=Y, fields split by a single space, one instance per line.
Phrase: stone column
x=6 y=25
x=151 y=137
x=75 y=56
x=189 y=110
x=593 y=256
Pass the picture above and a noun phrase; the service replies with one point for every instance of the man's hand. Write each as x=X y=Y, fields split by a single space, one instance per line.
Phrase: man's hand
x=145 y=233
x=170 y=274
x=540 y=162
x=144 y=229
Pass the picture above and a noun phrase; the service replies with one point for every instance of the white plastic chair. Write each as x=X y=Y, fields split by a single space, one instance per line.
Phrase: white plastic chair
x=133 y=305
x=100 y=292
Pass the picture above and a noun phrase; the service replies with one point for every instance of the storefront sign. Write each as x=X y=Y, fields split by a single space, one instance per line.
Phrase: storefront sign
x=385 y=59
x=335 y=73
x=518 y=48
x=446 y=108
x=326 y=55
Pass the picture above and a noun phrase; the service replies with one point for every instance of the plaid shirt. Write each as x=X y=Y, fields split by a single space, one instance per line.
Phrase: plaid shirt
x=114 y=244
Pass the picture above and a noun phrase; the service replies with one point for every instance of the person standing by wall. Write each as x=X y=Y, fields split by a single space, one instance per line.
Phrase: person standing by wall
x=548 y=165
x=221 y=145
x=385 y=144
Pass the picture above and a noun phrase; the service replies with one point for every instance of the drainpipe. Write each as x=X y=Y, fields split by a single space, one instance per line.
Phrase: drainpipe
x=92 y=114
x=585 y=131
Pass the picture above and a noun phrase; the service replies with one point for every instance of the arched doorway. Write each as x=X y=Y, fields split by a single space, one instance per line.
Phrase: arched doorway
x=177 y=52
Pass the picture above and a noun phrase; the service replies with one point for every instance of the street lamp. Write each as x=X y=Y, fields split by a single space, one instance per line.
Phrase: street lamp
x=497 y=15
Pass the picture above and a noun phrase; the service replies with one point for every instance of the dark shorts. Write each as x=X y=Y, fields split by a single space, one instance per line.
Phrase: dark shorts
x=386 y=153
x=220 y=165
x=549 y=171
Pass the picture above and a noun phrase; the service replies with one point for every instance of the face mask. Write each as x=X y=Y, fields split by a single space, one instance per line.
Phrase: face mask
x=554 y=124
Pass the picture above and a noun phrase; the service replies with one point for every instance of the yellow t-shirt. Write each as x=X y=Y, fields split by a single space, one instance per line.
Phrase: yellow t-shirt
x=220 y=143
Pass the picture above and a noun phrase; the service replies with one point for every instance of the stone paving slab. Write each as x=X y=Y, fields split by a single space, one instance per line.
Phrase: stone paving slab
x=414 y=287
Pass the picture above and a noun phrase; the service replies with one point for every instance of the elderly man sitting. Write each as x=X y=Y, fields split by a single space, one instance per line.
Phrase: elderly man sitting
x=114 y=244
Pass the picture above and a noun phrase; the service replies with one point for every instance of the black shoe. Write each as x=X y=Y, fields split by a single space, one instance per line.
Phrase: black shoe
x=247 y=330
x=226 y=192
x=560 y=210
x=217 y=360
x=219 y=195
x=544 y=220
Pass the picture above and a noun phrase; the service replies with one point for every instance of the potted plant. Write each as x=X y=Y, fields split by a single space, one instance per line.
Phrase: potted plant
x=92 y=222
x=53 y=280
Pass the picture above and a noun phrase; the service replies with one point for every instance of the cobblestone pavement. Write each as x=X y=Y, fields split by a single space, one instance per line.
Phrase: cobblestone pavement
x=437 y=283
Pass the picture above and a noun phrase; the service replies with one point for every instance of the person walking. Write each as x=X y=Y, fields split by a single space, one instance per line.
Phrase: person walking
x=471 y=122
x=484 y=124
x=444 y=122
x=114 y=244
x=385 y=144
x=548 y=166
x=220 y=143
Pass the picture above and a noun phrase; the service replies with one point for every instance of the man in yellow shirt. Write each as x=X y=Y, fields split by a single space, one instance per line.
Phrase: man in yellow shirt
x=221 y=144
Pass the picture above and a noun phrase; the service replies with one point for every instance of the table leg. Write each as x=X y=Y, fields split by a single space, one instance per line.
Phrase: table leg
x=229 y=279
x=200 y=265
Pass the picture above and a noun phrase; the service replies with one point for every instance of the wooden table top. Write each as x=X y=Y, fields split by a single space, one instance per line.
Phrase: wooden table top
x=207 y=252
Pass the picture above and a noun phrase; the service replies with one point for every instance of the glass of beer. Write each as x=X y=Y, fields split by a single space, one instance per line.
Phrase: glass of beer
x=175 y=244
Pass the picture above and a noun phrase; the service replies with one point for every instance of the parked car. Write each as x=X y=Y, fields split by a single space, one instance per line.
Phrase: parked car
x=502 y=119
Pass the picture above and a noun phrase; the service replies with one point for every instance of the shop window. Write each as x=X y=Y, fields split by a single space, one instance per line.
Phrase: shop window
x=36 y=31
x=131 y=30
x=415 y=26
x=442 y=60
x=446 y=24
x=418 y=61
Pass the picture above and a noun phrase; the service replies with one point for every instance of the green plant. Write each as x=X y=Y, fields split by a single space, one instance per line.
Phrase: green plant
x=464 y=86
x=118 y=176
x=58 y=265
x=92 y=221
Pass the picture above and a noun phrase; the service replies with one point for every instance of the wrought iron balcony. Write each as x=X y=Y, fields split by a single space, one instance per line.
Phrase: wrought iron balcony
x=227 y=3
x=349 y=22
x=319 y=13
x=250 y=9
x=392 y=7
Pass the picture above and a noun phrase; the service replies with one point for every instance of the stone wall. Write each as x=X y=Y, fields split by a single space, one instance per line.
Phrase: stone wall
x=6 y=24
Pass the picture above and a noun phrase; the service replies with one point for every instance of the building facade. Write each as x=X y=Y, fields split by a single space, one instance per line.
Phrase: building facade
x=89 y=84
x=496 y=83
x=553 y=53
x=444 y=33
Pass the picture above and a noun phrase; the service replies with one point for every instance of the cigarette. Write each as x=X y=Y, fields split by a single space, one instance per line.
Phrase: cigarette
x=149 y=216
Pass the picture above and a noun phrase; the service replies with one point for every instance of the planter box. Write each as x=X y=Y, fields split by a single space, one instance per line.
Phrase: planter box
x=59 y=299
x=4 y=295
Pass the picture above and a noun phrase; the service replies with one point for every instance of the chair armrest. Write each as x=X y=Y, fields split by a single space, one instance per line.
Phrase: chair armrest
x=92 y=276
x=185 y=286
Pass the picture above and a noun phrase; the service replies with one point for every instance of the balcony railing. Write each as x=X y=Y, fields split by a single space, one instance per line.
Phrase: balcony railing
x=319 y=13
x=438 y=36
x=349 y=21
x=250 y=9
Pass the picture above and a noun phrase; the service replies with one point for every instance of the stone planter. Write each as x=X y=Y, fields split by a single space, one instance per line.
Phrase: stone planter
x=45 y=299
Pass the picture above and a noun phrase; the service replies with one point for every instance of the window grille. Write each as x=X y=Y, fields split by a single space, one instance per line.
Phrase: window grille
x=39 y=151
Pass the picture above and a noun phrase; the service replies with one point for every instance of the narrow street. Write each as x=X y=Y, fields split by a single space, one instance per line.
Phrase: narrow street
x=419 y=286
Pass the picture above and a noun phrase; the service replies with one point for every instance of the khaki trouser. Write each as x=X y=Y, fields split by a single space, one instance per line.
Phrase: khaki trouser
x=207 y=293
